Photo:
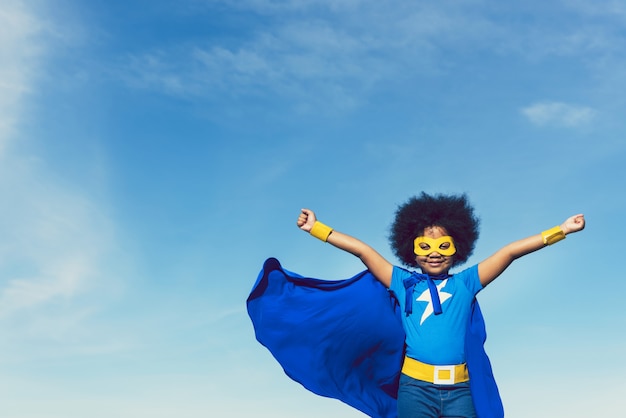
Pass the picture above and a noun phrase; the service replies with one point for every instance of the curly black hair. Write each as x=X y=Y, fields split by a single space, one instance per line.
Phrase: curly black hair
x=452 y=212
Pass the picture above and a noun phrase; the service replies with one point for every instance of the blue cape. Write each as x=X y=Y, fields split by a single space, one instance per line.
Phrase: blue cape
x=344 y=339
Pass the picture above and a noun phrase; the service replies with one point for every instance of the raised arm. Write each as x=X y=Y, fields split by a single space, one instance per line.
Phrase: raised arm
x=375 y=263
x=493 y=266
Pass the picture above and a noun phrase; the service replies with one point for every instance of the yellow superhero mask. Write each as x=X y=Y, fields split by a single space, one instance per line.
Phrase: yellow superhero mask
x=442 y=245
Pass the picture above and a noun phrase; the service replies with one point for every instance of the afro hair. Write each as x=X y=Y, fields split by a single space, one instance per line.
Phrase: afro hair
x=452 y=212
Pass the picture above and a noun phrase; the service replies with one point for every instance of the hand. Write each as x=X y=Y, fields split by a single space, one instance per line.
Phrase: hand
x=573 y=224
x=306 y=220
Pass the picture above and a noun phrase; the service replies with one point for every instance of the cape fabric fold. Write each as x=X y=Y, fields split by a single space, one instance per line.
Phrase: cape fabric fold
x=344 y=339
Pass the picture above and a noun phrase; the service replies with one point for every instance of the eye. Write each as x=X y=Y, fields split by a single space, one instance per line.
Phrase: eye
x=444 y=246
x=424 y=246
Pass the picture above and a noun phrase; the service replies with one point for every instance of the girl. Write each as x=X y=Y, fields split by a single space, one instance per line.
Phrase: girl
x=434 y=234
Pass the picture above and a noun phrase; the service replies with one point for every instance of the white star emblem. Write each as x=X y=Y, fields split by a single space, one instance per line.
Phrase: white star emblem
x=425 y=297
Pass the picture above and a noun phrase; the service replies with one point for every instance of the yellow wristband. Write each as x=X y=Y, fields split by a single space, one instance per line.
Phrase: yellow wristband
x=553 y=235
x=321 y=231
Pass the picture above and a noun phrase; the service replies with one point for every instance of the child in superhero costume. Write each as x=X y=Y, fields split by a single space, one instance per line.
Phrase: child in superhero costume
x=345 y=339
x=435 y=233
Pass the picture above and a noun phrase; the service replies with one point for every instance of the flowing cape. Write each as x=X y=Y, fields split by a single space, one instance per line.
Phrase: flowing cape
x=344 y=339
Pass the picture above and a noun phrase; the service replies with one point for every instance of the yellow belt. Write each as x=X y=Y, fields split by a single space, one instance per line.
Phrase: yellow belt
x=440 y=375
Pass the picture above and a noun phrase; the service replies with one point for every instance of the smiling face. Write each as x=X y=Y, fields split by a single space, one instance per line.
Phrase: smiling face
x=434 y=255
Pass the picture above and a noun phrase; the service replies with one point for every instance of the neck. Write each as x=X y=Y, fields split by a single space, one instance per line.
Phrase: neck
x=439 y=276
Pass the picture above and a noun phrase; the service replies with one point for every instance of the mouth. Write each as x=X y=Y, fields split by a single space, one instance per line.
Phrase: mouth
x=435 y=262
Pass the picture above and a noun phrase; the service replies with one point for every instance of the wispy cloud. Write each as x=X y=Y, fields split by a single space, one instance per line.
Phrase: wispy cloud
x=606 y=8
x=326 y=58
x=312 y=62
x=53 y=236
x=19 y=52
x=337 y=53
x=559 y=114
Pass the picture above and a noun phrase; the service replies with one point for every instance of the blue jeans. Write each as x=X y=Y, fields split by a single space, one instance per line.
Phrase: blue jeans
x=418 y=399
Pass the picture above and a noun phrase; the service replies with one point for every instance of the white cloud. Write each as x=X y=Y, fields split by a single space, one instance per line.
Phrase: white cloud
x=332 y=57
x=275 y=6
x=53 y=236
x=604 y=8
x=559 y=114
x=18 y=54
x=312 y=62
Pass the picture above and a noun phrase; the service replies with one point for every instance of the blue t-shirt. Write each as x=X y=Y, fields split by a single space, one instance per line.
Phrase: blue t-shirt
x=437 y=339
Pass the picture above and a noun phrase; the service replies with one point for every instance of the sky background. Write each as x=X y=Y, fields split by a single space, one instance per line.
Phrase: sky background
x=153 y=153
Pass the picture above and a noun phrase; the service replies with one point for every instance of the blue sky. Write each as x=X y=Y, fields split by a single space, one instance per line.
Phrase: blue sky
x=154 y=153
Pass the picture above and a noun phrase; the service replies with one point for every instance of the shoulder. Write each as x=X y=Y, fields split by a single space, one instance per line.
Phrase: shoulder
x=470 y=278
x=398 y=274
